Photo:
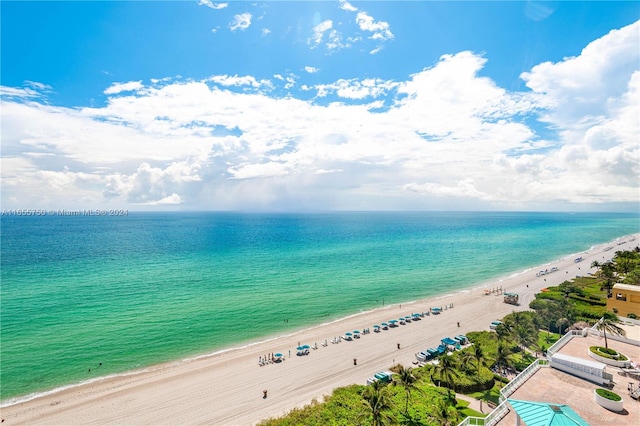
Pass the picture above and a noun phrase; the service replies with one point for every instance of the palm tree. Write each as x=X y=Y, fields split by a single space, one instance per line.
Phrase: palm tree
x=407 y=380
x=608 y=272
x=377 y=403
x=446 y=372
x=502 y=357
x=609 y=322
x=526 y=334
x=477 y=355
x=504 y=332
x=444 y=413
x=561 y=323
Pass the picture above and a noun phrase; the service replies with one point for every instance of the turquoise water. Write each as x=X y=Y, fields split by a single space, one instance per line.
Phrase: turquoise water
x=133 y=291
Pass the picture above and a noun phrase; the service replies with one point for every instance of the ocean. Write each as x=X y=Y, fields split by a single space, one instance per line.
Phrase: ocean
x=83 y=297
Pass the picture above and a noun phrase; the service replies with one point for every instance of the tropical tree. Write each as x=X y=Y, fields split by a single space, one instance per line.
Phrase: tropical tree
x=609 y=322
x=561 y=322
x=606 y=270
x=404 y=377
x=625 y=261
x=377 y=403
x=526 y=334
x=446 y=371
x=502 y=356
x=504 y=332
x=477 y=355
x=444 y=414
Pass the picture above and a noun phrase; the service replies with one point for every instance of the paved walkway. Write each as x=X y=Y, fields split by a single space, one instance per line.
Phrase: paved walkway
x=474 y=403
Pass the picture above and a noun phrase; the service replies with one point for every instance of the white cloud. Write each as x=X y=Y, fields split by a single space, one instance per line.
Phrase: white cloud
x=240 y=22
x=18 y=92
x=380 y=29
x=443 y=135
x=311 y=70
x=116 y=88
x=319 y=31
x=464 y=188
x=226 y=80
x=356 y=89
x=212 y=5
x=345 y=5
x=265 y=31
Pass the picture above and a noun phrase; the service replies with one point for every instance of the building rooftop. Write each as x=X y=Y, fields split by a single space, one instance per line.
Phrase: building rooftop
x=541 y=414
x=551 y=386
x=629 y=287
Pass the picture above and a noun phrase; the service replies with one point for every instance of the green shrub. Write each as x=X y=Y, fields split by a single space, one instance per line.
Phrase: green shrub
x=608 y=394
x=608 y=353
x=606 y=350
x=467 y=383
x=590 y=300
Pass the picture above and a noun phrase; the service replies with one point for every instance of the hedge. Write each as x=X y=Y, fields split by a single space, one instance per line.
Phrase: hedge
x=608 y=394
x=608 y=353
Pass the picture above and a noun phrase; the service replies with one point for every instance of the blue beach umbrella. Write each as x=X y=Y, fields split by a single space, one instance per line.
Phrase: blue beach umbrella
x=300 y=348
x=393 y=321
x=348 y=334
x=384 y=324
x=376 y=326
x=278 y=355
x=356 y=331
x=305 y=346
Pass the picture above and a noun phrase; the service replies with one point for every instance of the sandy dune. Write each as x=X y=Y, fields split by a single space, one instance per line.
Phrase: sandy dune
x=227 y=388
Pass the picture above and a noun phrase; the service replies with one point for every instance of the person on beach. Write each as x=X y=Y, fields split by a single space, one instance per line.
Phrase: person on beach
x=458 y=323
x=264 y=394
x=355 y=361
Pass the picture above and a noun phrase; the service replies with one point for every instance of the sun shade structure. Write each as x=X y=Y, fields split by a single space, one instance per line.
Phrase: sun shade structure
x=543 y=414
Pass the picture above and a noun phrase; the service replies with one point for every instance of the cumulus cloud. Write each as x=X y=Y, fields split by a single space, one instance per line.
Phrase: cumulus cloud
x=319 y=32
x=311 y=70
x=212 y=5
x=345 y=5
x=380 y=29
x=444 y=134
x=356 y=88
x=240 y=22
x=116 y=88
x=235 y=80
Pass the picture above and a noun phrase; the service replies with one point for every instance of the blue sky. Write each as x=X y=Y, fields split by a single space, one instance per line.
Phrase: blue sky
x=321 y=105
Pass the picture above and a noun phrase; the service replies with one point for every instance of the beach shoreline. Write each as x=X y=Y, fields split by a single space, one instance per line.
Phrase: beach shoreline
x=149 y=395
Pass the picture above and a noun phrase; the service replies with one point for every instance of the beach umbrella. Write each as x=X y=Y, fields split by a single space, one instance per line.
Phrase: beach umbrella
x=305 y=346
x=385 y=324
x=376 y=326
x=356 y=331
x=393 y=321
x=300 y=348
x=278 y=355
x=348 y=334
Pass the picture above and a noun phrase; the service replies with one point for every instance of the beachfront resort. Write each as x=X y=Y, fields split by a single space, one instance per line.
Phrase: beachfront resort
x=588 y=376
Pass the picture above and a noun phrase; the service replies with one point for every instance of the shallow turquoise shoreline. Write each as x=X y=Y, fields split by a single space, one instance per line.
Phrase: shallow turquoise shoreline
x=151 y=288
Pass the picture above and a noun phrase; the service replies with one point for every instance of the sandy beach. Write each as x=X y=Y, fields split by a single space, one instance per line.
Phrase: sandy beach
x=226 y=388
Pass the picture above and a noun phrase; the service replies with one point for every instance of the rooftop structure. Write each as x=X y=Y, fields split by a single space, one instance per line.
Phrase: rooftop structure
x=542 y=414
x=540 y=383
x=625 y=300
